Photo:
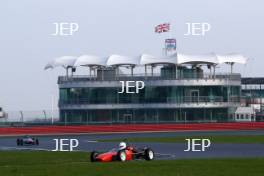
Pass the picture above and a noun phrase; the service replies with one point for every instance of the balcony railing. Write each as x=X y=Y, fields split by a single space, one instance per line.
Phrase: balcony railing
x=144 y=77
x=138 y=100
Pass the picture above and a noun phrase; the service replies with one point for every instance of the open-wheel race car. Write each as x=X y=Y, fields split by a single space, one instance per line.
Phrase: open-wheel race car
x=123 y=153
x=27 y=140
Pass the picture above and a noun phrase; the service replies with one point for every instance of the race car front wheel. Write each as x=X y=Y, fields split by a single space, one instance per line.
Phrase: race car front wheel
x=121 y=155
x=93 y=156
x=149 y=154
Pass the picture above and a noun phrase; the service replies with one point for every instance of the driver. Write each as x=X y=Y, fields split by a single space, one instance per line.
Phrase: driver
x=122 y=146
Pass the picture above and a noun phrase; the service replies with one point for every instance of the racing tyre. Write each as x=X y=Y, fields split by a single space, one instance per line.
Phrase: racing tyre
x=121 y=155
x=37 y=142
x=18 y=142
x=93 y=156
x=149 y=154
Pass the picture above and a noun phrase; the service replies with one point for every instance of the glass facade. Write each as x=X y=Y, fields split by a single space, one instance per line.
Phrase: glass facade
x=151 y=94
x=179 y=115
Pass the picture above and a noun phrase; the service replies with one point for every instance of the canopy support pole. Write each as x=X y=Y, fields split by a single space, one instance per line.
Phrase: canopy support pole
x=132 y=67
x=176 y=71
x=90 y=70
x=214 y=71
x=67 y=72
x=117 y=71
x=232 y=64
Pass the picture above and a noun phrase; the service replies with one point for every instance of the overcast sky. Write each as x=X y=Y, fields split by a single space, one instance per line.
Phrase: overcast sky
x=107 y=27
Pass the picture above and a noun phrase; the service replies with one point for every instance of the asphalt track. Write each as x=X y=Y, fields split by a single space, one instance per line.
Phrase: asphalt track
x=89 y=142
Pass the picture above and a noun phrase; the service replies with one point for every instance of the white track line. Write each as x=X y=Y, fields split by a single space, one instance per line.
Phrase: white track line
x=23 y=148
x=90 y=141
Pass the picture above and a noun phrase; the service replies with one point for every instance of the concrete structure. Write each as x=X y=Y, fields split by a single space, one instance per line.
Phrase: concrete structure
x=245 y=114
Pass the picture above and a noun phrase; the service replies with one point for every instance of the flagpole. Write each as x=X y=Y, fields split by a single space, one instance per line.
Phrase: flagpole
x=161 y=28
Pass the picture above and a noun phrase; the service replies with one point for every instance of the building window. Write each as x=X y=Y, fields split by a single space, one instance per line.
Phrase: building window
x=247 y=116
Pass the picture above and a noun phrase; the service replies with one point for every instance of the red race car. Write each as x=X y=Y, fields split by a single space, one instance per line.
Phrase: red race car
x=123 y=153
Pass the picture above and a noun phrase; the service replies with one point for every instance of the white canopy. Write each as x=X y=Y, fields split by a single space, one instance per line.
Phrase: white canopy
x=146 y=59
x=64 y=61
x=90 y=60
x=121 y=60
x=193 y=59
x=231 y=58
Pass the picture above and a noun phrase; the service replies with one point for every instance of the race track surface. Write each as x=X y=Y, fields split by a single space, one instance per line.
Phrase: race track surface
x=89 y=142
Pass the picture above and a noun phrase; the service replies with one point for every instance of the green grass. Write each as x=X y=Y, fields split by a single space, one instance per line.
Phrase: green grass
x=256 y=139
x=76 y=164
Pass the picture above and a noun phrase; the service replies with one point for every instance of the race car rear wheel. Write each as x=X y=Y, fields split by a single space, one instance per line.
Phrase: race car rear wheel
x=121 y=155
x=21 y=142
x=37 y=142
x=93 y=156
x=149 y=154
x=18 y=142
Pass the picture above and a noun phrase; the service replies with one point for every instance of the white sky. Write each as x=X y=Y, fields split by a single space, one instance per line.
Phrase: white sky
x=107 y=27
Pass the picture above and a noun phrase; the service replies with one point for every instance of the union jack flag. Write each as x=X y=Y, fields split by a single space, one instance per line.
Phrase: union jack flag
x=165 y=27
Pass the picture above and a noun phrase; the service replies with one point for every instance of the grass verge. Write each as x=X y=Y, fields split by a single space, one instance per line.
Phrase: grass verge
x=76 y=164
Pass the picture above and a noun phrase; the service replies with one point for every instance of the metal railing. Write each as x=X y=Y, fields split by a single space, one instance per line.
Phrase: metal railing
x=138 y=100
x=142 y=77
x=49 y=117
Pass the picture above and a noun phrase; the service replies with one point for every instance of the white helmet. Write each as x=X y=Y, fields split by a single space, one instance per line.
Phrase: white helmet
x=122 y=145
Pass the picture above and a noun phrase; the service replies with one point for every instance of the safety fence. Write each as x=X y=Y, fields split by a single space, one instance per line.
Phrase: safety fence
x=52 y=130
x=17 y=118
x=52 y=117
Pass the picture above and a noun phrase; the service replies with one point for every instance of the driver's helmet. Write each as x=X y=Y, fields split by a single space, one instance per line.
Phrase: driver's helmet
x=122 y=145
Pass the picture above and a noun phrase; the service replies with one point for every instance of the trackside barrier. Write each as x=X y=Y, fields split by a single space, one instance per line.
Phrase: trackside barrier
x=130 y=128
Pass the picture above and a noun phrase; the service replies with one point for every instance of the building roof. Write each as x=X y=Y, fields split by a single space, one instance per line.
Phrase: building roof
x=245 y=110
